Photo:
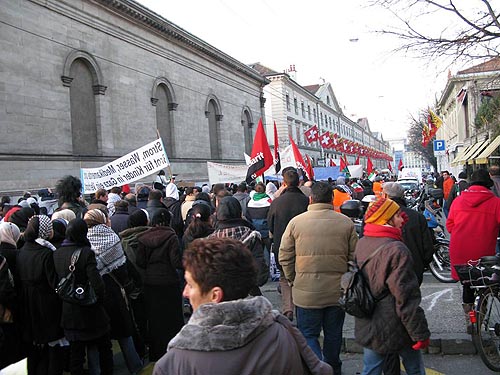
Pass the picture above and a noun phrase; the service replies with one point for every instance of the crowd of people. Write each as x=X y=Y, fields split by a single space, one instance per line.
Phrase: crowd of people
x=176 y=275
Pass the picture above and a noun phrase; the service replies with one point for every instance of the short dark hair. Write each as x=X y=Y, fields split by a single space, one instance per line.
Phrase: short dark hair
x=131 y=199
x=222 y=262
x=242 y=187
x=321 y=192
x=160 y=218
x=442 y=172
x=121 y=203
x=100 y=193
x=155 y=195
x=494 y=170
x=116 y=189
x=189 y=190
x=291 y=178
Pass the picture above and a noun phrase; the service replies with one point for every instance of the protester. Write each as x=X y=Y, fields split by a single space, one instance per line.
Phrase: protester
x=256 y=213
x=416 y=234
x=173 y=205
x=448 y=185
x=100 y=196
x=230 y=223
x=40 y=305
x=65 y=214
x=271 y=189
x=341 y=193
x=229 y=334
x=158 y=257
x=199 y=226
x=314 y=252
x=120 y=218
x=84 y=326
x=289 y=204
x=111 y=264
x=9 y=235
x=243 y=197
x=69 y=191
x=474 y=223
x=458 y=188
x=377 y=186
x=114 y=196
x=132 y=202
x=59 y=228
x=398 y=324
x=191 y=194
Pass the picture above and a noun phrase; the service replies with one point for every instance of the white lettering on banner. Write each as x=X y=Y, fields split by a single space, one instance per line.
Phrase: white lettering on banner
x=129 y=168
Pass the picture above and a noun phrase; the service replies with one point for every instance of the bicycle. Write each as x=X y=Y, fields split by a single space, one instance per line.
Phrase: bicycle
x=484 y=278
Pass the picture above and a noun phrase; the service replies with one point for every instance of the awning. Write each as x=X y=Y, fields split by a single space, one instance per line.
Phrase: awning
x=482 y=158
x=474 y=151
x=460 y=156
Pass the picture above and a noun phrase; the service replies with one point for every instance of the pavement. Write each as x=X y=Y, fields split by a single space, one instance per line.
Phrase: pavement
x=442 y=304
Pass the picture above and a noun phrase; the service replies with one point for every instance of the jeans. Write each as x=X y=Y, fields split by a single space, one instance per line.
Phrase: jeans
x=132 y=359
x=331 y=320
x=412 y=360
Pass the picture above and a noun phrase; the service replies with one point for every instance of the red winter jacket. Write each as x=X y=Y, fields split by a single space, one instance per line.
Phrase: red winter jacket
x=474 y=223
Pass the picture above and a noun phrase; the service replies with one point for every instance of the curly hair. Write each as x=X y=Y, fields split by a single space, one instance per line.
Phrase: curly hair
x=222 y=262
x=68 y=188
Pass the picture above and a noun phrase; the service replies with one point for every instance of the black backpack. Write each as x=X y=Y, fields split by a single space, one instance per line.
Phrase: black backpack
x=357 y=299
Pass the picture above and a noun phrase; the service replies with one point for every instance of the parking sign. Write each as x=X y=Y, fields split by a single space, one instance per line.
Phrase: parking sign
x=439 y=147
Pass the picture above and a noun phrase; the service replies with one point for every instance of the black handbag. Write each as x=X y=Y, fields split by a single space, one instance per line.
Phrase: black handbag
x=70 y=291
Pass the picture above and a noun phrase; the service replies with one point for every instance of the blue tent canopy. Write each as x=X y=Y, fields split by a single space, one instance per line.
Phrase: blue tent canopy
x=322 y=173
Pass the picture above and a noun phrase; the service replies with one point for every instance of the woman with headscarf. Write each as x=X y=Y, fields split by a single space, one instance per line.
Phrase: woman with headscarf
x=11 y=348
x=9 y=235
x=111 y=264
x=65 y=214
x=230 y=223
x=84 y=326
x=398 y=325
x=21 y=218
x=159 y=258
x=40 y=305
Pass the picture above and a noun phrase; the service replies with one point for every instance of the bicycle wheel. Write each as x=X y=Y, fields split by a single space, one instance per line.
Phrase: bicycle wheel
x=486 y=335
x=440 y=265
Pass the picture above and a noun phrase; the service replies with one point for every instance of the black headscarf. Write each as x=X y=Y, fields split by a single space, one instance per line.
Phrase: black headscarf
x=228 y=208
x=76 y=232
x=21 y=217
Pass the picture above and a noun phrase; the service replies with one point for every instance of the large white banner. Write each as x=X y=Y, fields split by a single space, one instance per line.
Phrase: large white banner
x=356 y=171
x=222 y=173
x=129 y=168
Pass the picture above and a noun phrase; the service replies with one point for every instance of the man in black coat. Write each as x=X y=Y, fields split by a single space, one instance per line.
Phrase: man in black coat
x=120 y=218
x=155 y=202
x=289 y=204
x=416 y=234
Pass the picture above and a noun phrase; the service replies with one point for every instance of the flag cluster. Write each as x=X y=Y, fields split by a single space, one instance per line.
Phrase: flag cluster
x=430 y=129
x=333 y=141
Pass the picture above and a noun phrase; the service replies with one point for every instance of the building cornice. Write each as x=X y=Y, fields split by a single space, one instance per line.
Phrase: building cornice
x=139 y=14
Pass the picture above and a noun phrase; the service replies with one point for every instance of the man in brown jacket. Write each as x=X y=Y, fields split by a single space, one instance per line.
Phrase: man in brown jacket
x=314 y=252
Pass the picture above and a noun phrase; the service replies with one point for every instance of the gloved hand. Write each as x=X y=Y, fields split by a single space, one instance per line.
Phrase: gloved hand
x=421 y=344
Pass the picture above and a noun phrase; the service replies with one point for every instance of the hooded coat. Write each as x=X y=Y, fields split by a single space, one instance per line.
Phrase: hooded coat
x=234 y=337
x=474 y=223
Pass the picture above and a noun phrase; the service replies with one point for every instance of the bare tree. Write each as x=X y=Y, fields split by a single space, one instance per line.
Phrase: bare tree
x=452 y=29
x=415 y=140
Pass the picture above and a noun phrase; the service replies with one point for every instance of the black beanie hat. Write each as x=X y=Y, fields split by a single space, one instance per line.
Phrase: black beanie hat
x=481 y=177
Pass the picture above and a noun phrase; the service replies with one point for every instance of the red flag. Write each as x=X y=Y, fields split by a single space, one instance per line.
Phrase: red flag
x=325 y=140
x=400 y=165
x=332 y=163
x=344 y=164
x=389 y=166
x=261 y=158
x=277 y=161
x=310 y=170
x=369 y=166
x=357 y=161
x=299 y=161
x=312 y=134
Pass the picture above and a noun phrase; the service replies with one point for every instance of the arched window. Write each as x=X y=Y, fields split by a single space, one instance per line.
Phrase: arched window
x=246 y=122
x=83 y=113
x=163 y=98
x=83 y=77
x=214 y=116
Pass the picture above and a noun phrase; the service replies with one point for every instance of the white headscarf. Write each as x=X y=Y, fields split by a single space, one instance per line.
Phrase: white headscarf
x=9 y=233
x=171 y=191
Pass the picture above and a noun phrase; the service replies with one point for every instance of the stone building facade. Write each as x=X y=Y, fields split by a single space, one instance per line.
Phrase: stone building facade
x=296 y=108
x=84 y=82
x=469 y=146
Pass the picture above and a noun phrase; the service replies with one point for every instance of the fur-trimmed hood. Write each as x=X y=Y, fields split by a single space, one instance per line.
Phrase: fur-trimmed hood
x=226 y=325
